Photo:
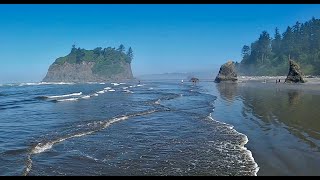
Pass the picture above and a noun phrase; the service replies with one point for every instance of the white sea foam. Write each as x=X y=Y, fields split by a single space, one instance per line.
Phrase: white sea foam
x=102 y=83
x=122 y=83
x=115 y=84
x=86 y=97
x=101 y=92
x=151 y=88
x=111 y=90
x=66 y=95
x=44 y=83
x=127 y=91
x=95 y=94
x=69 y=99
x=42 y=147
x=107 y=88
x=158 y=101
x=125 y=88
x=228 y=146
x=140 y=85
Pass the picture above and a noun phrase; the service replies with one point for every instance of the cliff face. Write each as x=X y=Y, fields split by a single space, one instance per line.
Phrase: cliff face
x=99 y=65
x=83 y=73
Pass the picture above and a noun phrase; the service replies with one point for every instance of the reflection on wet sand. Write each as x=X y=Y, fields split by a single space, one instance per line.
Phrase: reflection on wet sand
x=227 y=90
x=294 y=110
x=282 y=123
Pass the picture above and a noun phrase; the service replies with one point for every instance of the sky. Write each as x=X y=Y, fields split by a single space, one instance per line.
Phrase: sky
x=164 y=38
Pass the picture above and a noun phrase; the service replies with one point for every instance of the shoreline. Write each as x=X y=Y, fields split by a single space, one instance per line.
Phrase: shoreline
x=280 y=121
x=312 y=86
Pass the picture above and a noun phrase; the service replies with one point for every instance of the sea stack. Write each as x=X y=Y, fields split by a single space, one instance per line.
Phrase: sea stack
x=295 y=75
x=97 y=65
x=227 y=73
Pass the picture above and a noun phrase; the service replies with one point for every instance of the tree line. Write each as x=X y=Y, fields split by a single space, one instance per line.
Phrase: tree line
x=270 y=55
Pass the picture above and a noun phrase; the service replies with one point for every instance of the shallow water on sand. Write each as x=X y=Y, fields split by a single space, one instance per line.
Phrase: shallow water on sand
x=282 y=123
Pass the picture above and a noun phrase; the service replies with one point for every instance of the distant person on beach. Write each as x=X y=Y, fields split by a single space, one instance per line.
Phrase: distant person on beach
x=139 y=82
x=182 y=81
x=279 y=80
x=276 y=81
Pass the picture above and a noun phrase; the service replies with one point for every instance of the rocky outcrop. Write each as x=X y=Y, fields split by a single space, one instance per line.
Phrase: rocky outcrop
x=227 y=73
x=97 y=65
x=71 y=72
x=295 y=75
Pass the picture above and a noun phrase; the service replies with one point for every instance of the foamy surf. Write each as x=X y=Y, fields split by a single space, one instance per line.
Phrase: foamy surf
x=85 y=97
x=69 y=99
x=127 y=91
x=115 y=84
x=44 y=83
x=42 y=147
x=241 y=147
x=101 y=92
x=66 y=95
x=158 y=101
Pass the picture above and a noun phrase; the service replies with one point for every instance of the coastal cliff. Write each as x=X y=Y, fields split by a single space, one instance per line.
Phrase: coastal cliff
x=98 y=65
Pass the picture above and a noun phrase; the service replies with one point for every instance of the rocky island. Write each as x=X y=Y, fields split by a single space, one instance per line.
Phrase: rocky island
x=97 y=65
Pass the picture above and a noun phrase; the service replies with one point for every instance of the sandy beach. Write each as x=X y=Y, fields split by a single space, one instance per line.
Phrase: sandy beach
x=311 y=86
x=281 y=121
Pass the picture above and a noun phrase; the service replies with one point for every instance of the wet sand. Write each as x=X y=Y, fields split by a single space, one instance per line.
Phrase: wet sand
x=281 y=121
x=311 y=86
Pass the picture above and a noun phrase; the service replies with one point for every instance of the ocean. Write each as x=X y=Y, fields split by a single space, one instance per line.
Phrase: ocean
x=153 y=128
x=159 y=127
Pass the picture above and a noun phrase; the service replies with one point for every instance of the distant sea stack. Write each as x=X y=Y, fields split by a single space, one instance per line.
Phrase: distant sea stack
x=295 y=74
x=97 y=65
x=227 y=73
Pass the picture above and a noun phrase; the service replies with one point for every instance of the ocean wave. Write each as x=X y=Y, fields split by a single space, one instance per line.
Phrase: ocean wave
x=111 y=90
x=101 y=92
x=127 y=91
x=69 y=99
x=115 y=84
x=227 y=146
x=44 y=83
x=62 y=96
x=45 y=146
x=158 y=101
x=86 y=97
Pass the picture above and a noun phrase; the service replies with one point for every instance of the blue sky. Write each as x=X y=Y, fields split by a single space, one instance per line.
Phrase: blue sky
x=164 y=38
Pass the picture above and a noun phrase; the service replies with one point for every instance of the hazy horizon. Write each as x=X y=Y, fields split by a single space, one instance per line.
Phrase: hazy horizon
x=164 y=38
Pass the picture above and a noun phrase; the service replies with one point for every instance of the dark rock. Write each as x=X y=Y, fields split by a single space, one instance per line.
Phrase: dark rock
x=295 y=75
x=227 y=73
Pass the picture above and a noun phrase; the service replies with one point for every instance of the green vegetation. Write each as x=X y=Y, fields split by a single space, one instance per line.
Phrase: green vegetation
x=108 y=61
x=269 y=56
